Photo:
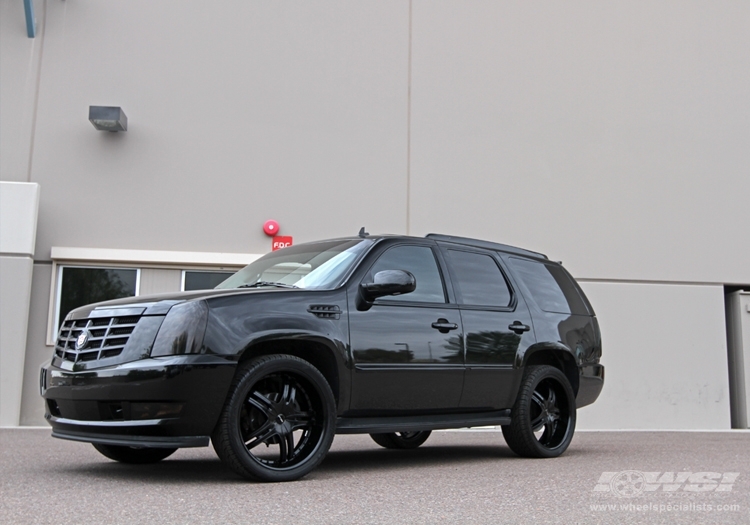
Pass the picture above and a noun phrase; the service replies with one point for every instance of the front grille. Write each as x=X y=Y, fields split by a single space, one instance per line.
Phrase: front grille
x=106 y=337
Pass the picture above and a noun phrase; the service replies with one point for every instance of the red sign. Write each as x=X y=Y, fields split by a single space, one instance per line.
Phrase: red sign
x=280 y=242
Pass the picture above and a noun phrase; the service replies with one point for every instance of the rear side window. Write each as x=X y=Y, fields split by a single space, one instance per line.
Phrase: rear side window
x=478 y=279
x=550 y=287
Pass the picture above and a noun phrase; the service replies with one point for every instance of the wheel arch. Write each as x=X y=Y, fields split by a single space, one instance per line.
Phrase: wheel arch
x=316 y=351
x=558 y=357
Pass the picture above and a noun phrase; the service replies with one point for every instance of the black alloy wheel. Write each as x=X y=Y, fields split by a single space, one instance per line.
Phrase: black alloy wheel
x=134 y=455
x=543 y=418
x=279 y=419
x=401 y=440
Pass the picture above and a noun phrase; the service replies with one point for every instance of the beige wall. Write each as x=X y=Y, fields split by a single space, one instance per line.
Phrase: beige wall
x=236 y=114
x=665 y=355
x=19 y=75
x=612 y=136
x=37 y=353
x=19 y=205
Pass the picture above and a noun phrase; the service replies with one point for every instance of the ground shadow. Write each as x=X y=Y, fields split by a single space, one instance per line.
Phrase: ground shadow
x=212 y=470
x=425 y=456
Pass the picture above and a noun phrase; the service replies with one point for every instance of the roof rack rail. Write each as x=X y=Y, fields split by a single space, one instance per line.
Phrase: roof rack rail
x=484 y=244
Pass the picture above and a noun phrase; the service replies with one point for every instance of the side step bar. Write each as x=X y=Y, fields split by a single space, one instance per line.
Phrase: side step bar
x=375 y=425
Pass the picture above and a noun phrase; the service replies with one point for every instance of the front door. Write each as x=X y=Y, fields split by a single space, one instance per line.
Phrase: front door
x=407 y=349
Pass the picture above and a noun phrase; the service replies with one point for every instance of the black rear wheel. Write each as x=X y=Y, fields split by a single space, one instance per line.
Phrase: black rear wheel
x=279 y=420
x=543 y=417
x=134 y=455
x=402 y=440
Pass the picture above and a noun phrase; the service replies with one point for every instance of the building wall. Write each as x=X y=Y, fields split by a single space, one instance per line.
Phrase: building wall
x=19 y=205
x=612 y=136
x=37 y=352
x=19 y=75
x=665 y=356
x=236 y=114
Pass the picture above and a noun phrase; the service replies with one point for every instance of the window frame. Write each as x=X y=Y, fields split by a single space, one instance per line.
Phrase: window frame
x=533 y=296
x=512 y=304
x=53 y=320
x=439 y=262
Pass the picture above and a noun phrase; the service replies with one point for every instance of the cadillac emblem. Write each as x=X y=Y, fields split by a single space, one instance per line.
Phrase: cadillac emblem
x=82 y=339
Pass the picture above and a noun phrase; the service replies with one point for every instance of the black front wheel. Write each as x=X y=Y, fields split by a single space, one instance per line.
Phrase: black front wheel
x=543 y=417
x=402 y=440
x=278 y=421
x=134 y=455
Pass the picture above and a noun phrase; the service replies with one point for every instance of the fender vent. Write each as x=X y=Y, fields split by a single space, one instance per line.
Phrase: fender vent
x=325 y=311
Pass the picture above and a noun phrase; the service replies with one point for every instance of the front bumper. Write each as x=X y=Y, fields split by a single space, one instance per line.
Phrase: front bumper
x=169 y=402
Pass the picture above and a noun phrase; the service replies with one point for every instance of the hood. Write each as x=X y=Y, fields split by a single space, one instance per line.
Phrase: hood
x=157 y=304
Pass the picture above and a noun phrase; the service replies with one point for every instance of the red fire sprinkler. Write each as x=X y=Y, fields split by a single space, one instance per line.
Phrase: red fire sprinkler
x=271 y=228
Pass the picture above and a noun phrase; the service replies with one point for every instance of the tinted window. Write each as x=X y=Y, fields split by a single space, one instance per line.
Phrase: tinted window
x=81 y=286
x=565 y=281
x=200 y=280
x=479 y=279
x=550 y=287
x=420 y=261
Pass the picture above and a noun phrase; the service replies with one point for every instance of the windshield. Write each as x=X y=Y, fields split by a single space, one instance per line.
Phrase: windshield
x=317 y=265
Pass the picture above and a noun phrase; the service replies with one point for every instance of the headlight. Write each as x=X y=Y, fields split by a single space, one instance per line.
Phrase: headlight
x=182 y=330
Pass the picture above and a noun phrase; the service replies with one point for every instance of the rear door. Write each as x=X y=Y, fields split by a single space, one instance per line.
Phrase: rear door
x=496 y=323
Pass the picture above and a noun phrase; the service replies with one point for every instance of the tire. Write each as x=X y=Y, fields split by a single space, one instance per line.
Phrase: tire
x=543 y=417
x=401 y=440
x=278 y=421
x=134 y=455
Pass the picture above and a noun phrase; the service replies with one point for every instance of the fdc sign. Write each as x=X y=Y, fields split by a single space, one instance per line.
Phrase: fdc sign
x=280 y=242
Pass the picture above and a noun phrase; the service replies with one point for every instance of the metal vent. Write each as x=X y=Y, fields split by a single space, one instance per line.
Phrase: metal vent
x=93 y=339
x=325 y=311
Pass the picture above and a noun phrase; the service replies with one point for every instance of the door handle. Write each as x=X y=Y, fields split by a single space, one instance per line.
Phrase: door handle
x=443 y=326
x=518 y=327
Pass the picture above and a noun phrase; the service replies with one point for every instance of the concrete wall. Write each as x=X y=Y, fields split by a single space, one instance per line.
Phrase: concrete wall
x=20 y=60
x=37 y=352
x=612 y=136
x=237 y=113
x=665 y=355
x=19 y=205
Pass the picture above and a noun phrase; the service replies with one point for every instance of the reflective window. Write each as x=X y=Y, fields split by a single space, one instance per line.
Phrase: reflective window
x=550 y=286
x=82 y=286
x=420 y=261
x=318 y=265
x=203 y=280
x=479 y=280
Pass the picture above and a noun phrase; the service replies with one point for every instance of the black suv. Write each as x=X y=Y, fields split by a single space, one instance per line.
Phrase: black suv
x=388 y=335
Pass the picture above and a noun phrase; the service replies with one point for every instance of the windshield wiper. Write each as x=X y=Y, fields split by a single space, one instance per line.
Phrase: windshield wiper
x=258 y=284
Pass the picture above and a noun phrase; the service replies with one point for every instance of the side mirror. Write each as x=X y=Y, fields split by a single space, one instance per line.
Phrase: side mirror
x=387 y=282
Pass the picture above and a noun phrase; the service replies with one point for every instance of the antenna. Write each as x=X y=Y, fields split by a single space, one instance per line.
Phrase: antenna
x=362 y=232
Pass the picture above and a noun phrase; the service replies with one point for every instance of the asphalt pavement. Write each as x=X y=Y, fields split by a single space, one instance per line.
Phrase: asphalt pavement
x=455 y=477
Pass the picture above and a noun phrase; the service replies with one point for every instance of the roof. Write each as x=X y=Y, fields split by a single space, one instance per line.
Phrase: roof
x=484 y=244
x=466 y=241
